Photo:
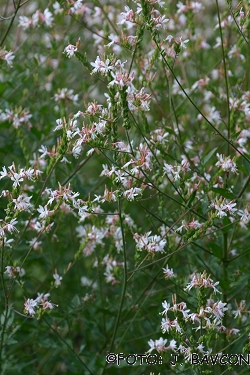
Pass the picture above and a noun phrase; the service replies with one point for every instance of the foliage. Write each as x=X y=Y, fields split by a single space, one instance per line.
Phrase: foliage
x=125 y=168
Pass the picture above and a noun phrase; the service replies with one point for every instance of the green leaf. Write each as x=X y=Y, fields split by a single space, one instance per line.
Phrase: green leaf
x=217 y=250
x=2 y=87
x=235 y=136
x=227 y=225
x=206 y=158
x=224 y=193
x=246 y=166
x=191 y=198
x=74 y=360
x=169 y=130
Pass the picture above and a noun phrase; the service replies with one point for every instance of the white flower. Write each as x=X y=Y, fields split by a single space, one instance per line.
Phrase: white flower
x=70 y=50
x=29 y=306
x=14 y=271
x=183 y=43
x=150 y=243
x=4 y=173
x=44 y=151
x=200 y=347
x=24 y=22
x=151 y=343
x=17 y=178
x=166 y=307
x=44 y=212
x=101 y=66
x=160 y=344
x=87 y=282
x=48 y=17
x=172 y=172
x=58 y=279
x=132 y=193
x=172 y=345
x=245 y=217
x=57 y=8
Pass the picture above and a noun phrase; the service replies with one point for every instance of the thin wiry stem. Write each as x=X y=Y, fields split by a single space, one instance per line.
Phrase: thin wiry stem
x=225 y=72
x=124 y=286
x=197 y=108
x=67 y=345
x=6 y=311
x=18 y=6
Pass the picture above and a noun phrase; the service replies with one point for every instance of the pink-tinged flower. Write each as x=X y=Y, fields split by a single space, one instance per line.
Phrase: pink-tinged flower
x=168 y=273
x=132 y=193
x=152 y=244
x=22 y=203
x=70 y=50
x=226 y=164
x=160 y=345
x=224 y=208
x=14 y=271
x=166 y=325
x=233 y=331
x=202 y=281
x=10 y=227
x=9 y=57
x=48 y=305
x=29 y=306
x=127 y=16
x=240 y=309
x=160 y=21
x=41 y=297
x=24 y=22
x=218 y=309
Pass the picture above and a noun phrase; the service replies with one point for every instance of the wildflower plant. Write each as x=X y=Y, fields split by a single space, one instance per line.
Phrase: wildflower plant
x=124 y=186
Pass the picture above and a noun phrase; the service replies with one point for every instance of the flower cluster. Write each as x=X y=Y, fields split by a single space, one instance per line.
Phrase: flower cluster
x=17 y=117
x=226 y=164
x=36 y=306
x=224 y=208
x=152 y=244
x=38 y=18
x=20 y=176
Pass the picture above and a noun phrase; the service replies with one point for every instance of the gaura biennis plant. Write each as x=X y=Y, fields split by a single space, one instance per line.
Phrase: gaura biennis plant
x=125 y=169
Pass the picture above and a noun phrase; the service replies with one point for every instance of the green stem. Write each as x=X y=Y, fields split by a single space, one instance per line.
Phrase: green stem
x=3 y=326
x=225 y=278
x=66 y=344
x=225 y=73
x=195 y=106
x=11 y=23
x=124 y=286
